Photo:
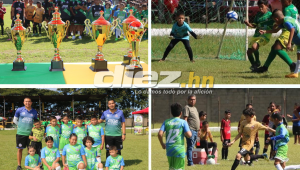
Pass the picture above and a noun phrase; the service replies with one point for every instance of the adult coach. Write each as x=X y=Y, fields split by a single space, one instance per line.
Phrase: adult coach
x=191 y=115
x=115 y=132
x=24 y=117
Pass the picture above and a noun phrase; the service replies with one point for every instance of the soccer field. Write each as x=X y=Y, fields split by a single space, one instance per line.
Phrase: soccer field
x=135 y=152
x=39 y=49
x=160 y=162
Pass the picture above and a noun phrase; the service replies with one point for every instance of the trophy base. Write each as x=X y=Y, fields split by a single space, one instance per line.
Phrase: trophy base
x=98 y=65
x=57 y=66
x=126 y=60
x=132 y=72
x=19 y=66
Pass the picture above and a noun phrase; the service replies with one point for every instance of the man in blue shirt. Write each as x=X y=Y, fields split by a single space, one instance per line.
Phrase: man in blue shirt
x=24 y=118
x=114 y=125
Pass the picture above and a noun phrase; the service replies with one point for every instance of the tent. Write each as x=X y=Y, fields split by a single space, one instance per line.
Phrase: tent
x=142 y=112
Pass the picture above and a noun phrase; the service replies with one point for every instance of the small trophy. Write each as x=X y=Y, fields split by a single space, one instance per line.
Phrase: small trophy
x=18 y=33
x=134 y=34
x=56 y=33
x=100 y=33
x=125 y=23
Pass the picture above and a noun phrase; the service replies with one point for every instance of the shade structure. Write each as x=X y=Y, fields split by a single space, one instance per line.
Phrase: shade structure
x=144 y=111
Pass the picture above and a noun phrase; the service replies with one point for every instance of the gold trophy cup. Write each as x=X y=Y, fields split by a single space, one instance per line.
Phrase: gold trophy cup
x=56 y=32
x=134 y=35
x=18 y=33
x=100 y=33
x=125 y=23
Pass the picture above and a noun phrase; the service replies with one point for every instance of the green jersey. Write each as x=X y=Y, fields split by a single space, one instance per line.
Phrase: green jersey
x=32 y=161
x=138 y=15
x=38 y=133
x=175 y=129
x=74 y=154
x=263 y=22
x=81 y=132
x=50 y=154
x=289 y=24
x=66 y=130
x=54 y=132
x=90 y=157
x=114 y=163
x=145 y=14
x=291 y=11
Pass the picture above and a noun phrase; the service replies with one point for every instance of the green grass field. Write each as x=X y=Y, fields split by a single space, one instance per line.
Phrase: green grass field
x=135 y=152
x=40 y=49
x=198 y=25
x=160 y=162
x=211 y=124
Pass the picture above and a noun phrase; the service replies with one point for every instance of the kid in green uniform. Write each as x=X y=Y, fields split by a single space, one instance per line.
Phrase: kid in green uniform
x=91 y=153
x=53 y=130
x=32 y=161
x=65 y=132
x=262 y=21
x=114 y=161
x=36 y=136
x=80 y=130
x=175 y=129
x=122 y=15
x=281 y=138
x=108 y=11
x=138 y=13
x=50 y=155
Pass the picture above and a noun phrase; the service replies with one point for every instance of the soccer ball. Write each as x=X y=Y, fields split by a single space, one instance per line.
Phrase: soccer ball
x=211 y=161
x=232 y=16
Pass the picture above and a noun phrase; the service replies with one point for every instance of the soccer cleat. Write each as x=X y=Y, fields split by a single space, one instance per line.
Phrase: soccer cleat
x=293 y=67
x=242 y=162
x=80 y=37
x=260 y=70
x=265 y=156
x=19 y=168
x=192 y=61
x=161 y=60
x=292 y=75
x=116 y=39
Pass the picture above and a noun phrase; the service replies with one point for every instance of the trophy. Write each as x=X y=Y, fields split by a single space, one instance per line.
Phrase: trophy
x=18 y=34
x=125 y=23
x=56 y=32
x=134 y=34
x=100 y=33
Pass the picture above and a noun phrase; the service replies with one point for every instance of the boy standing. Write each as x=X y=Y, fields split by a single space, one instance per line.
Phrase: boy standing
x=36 y=136
x=175 y=129
x=80 y=130
x=38 y=18
x=2 y=12
x=120 y=14
x=79 y=18
x=225 y=133
x=53 y=130
x=29 y=10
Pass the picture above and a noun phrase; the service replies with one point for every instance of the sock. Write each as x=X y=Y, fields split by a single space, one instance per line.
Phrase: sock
x=256 y=54
x=72 y=33
x=278 y=167
x=270 y=58
x=58 y=168
x=235 y=164
x=257 y=150
x=253 y=157
x=223 y=153
x=98 y=159
x=292 y=167
x=78 y=32
x=251 y=59
x=297 y=67
x=265 y=150
x=283 y=55
x=100 y=168
x=80 y=169
x=226 y=153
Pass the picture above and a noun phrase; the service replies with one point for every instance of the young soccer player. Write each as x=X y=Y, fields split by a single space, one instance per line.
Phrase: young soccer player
x=202 y=117
x=36 y=136
x=91 y=153
x=64 y=7
x=65 y=132
x=50 y=155
x=38 y=18
x=277 y=49
x=18 y=8
x=73 y=156
x=296 y=126
x=95 y=131
x=262 y=20
x=265 y=122
x=53 y=130
x=79 y=18
x=248 y=129
x=175 y=129
x=29 y=11
x=204 y=135
x=96 y=10
x=138 y=13
x=80 y=130
x=225 y=133
x=45 y=5
x=281 y=139
x=122 y=15
x=2 y=12
x=114 y=161
x=32 y=160
x=108 y=11
x=180 y=33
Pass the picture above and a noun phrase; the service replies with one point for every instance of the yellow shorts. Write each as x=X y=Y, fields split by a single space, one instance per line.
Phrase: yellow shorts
x=262 y=41
x=284 y=37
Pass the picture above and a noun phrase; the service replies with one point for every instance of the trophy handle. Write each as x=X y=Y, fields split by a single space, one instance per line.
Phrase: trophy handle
x=88 y=24
x=115 y=24
x=44 y=24
x=66 y=27
x=28 y=32
x=8 y=32
x=144 y=21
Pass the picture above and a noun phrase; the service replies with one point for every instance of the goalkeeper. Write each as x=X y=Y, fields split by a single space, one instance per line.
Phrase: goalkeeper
x=180 y=33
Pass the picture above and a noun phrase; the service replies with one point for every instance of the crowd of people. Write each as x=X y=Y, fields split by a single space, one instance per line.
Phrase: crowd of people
x=78 y=144
x=196 y=130
x=76 y=12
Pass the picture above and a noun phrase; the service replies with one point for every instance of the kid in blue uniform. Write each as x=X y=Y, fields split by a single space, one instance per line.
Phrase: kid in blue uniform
x=80 y=130
x=122 y=15
x=50 y=155
x=91 y=153
x=95 y=131
x=65 y=132
x=53 y=130
x=114 y=161
x=32 y=161
x=180 y=33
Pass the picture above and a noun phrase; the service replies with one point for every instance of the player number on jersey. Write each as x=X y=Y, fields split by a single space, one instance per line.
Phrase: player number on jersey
x=173 y=133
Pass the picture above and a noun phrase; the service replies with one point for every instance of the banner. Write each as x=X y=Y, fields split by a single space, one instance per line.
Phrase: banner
x=138 y=124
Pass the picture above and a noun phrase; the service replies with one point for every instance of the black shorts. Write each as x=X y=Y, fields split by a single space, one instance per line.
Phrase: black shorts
x=226 y=141
x=115 y=141
x=296 y=130
x=266 y=137
x=66 y=19
x=37 y=24
x=1 y=22
x=27 y=22
x=22 y=142
x=240 y=144
x=37 y=146
x=79 y=21
x=244 y=152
